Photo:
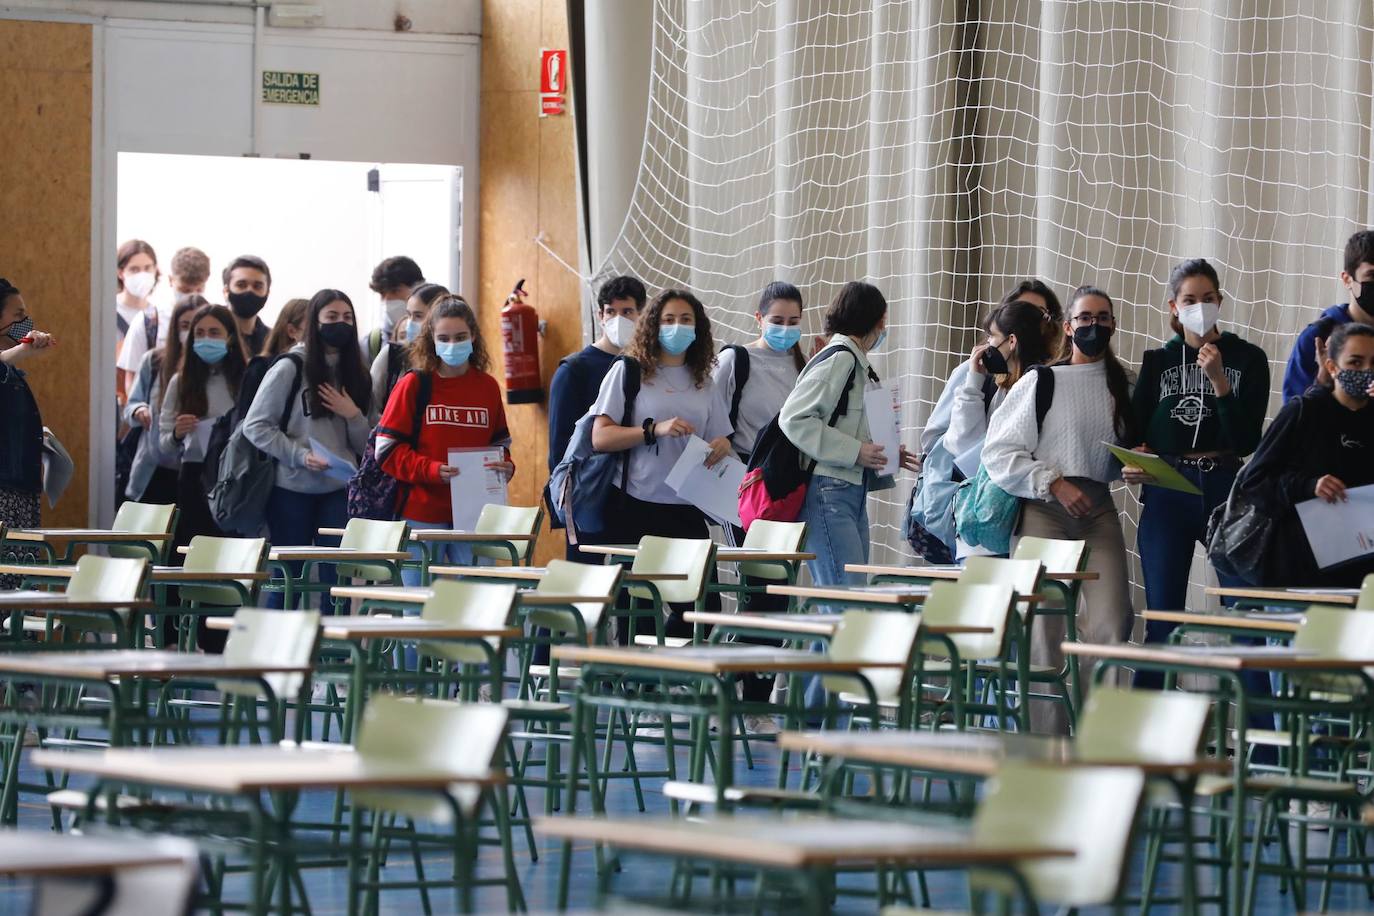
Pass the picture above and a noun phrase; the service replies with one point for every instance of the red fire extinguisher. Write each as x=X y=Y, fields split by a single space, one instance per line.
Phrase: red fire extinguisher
x=520 y=338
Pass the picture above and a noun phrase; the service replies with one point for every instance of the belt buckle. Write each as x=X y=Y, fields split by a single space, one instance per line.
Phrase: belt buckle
x=1206 y=464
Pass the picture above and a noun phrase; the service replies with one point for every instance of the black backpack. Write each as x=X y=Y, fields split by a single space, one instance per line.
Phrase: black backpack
x=741 y=379
x=224 y=427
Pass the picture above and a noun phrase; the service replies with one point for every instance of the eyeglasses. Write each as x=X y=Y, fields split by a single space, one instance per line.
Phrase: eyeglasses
x=1088 y=319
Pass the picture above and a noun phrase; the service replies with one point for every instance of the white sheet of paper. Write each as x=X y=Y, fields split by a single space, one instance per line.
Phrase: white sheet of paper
x=715 y=490
x=475 y=486
x=339 y=468
x=1340 y=531
x=198 y=441
x=884 y=424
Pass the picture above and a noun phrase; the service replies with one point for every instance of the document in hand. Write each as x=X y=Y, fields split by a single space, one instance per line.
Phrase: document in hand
x=339 y=468
x=713 y=490
x=1165 y=474
x=1339 y=531
x=884 y=424
x=476 y=484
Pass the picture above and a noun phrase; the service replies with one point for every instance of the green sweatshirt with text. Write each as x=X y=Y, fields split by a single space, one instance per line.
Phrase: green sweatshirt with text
x=1179 y=411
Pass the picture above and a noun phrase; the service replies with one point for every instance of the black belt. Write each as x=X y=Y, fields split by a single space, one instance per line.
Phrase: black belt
x=1206 y=463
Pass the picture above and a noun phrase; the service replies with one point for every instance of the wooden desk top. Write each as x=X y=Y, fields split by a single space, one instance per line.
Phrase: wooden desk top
x=158 y=574
x=1259 y=621
x=714 y=659
x=535 y=573
x=440 y=534
x=724 y=554
x=976 y=753
x=866 y=594
x=795 y=842
x=43 y=854
x=235 y=770
x=400 y=594
x=1220 y=658
x=103 y=664
x=335 y=554
x=33 y=600
x=1342 y=596
x=801 y=624
x=951 y=572
x=385 y=626
x=91 y=535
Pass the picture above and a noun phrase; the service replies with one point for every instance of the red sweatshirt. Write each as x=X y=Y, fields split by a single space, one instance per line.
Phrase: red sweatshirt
x=464 y=412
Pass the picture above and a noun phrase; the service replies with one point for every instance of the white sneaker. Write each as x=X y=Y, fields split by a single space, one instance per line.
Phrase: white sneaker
x=761 y=725
x=1318 y=811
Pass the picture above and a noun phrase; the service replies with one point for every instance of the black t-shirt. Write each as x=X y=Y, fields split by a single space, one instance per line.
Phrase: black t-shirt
x=572 y=392
x=256 y=340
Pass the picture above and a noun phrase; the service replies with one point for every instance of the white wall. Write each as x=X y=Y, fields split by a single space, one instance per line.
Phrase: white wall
x=442 y=17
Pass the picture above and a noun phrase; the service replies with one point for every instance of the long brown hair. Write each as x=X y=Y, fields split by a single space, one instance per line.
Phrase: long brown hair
x=647 y=351
x=169 y=355
x=349 y=375
x=194 y=374
x=1118 y=382
x=1027 y=322
x=422 y=354
x=279 y=340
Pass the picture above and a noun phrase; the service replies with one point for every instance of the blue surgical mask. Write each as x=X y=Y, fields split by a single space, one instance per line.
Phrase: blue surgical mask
x=882 y=336
x=676 y=338
x=781 y=337
x=454 y=353
x=412 y=330
x=210 y=350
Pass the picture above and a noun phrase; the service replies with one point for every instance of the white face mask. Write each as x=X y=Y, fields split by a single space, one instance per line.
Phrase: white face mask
x=183 y=335
x=619 y=330
x=139 y=285
x=1199 y=317
x=393 y=312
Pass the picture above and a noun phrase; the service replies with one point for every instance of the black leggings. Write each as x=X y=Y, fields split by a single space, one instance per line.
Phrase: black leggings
x=757 y=687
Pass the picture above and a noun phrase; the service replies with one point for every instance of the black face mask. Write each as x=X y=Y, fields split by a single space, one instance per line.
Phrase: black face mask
x=337 y=335
x=1092 y=340
x=994 y=363
x=246 y=305
x=1365 y=300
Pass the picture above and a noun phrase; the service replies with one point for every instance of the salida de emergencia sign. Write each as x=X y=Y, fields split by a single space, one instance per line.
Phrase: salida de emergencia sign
x=281 y=87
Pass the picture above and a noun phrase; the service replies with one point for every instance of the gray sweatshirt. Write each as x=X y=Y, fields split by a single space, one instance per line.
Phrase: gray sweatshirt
x=345 y=438
x=219 y=400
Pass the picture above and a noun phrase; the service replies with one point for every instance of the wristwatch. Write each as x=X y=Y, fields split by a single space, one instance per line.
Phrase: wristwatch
x=649 y=436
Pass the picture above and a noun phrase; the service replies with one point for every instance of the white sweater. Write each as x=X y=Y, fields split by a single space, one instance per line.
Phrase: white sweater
x=968 y=421
x=1025 y=462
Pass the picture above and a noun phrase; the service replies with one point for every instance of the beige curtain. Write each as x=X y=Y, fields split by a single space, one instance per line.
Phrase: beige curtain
x=943 y=150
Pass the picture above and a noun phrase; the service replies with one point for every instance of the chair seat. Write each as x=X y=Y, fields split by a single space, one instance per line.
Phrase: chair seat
x=565 y=672
x=858 y=699
x=1274 y=738
x=75 y=800
x=519 y=708
x=705 y=794
x=1212 y=786
x=677 y=642
x=1035 y=671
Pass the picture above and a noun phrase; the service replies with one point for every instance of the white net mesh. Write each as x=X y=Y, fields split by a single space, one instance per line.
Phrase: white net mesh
x=944 y=150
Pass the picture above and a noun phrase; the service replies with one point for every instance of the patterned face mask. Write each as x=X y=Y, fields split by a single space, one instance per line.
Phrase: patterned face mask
x=1355 y=382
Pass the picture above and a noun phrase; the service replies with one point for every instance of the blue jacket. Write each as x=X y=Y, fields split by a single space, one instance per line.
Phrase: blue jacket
x=1302 y=362
x=572 y=392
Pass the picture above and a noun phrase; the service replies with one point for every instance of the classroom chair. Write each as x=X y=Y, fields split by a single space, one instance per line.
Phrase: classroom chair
x=498 y=519
x=144 y=517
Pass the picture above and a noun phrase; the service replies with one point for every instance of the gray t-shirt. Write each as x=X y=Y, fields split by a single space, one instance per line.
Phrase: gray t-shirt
x=670 y=393
x=772 y=376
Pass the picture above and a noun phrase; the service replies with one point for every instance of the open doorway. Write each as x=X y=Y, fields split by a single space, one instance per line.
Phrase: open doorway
x=316 y=223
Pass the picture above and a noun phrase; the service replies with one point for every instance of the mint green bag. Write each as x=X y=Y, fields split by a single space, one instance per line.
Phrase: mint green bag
x=984 y=514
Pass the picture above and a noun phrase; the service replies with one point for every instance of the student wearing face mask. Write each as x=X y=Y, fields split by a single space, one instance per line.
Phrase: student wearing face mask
x=288 y=330
x=1061 y=469
x=1357 y=279
x=333 y=396
x=459 y=406
x=1199 y=403
x=394 y=358
x=136 y=275
x=577 y=381
x=674 y=352
x=394 y=280
x=154 y=473
x=21 y=460
x=188 y=273
x=1318 y=446
x=247 y=284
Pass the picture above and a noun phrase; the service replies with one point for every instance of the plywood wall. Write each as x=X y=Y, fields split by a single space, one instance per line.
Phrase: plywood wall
x=45 y=222
x=528 y=186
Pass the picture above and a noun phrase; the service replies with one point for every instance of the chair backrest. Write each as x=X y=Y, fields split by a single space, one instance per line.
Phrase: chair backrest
x=1335 y=632
x=109 y=578
x=429 y=734
x=143 y=517
x=272 y=637
x=1090 y=810
x=775 y=537
x=1022 y=575
x=228 y=555
x=1365 y=601
x=144 y=890
x=498 y=519
x=479 y=605
x=1118 y=725
x=874 y=636
x=959 y=604
x=564 y=578
x=1054 y=555
x=375 y=535
x=691 y=557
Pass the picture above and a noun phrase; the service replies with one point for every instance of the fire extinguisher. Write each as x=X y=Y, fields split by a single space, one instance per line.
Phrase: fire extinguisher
x=520 y=339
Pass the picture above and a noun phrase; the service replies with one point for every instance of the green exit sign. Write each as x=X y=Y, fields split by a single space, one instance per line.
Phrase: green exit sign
x=281 y=87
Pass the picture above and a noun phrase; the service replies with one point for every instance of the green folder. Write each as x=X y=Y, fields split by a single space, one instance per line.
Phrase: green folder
x=1165 y=475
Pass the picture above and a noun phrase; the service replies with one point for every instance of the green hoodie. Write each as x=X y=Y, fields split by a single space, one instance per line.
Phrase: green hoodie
x=1180 y=413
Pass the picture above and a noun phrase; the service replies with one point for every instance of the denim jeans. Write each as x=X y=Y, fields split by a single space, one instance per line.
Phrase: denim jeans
x=440 y=553
x=836 y=516
x=295 y=519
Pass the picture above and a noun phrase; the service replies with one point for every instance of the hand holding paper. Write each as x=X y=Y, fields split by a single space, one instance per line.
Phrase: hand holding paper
x=713 y=490
x=337 y=468
x=884 y=425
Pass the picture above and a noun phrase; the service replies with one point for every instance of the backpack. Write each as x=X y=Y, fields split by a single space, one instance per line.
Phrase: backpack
x=245 y=475
x=985 y=515
x=374 y=345
x=776 y=480
x=126 y=449
x=373 y=493
x=224 y=427
x=579 y=489
x=741 y=379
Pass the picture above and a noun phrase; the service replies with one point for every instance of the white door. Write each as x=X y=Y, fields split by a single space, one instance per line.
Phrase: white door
x=421 y=215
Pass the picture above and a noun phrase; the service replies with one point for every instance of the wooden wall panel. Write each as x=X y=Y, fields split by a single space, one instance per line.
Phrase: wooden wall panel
x=45 y=222
x=528 y=186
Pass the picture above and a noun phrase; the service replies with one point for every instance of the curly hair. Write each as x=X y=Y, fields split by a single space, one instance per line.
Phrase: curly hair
x=423 y=357
x=647 y=351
